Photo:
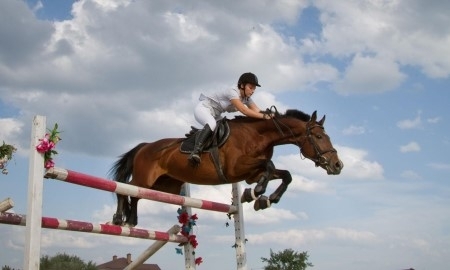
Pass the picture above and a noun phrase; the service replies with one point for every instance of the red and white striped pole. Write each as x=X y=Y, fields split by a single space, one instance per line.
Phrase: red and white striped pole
x=134 y=191
x=81 y=226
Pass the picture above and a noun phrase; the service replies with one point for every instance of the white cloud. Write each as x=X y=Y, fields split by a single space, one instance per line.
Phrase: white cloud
x=370 y=75
x=405 y=32
x=354 y=130
x=440 y=166
x=434 y=120
x=410 y=147
x=410 y=123
x=356 y=166
x=10 y=129
x=65 y=239
x=411 y=175
x=300 y=183
x=303 y=237
x=120 y=72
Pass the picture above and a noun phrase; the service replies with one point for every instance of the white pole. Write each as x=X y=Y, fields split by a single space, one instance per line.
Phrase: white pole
x=189 y=251
x=239 y=232
x=151 y=250
x=6 y=204
x=32 y=254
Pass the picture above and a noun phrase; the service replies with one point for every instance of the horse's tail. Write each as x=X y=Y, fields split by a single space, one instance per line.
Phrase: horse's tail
x=123 y=167
x=121 y=171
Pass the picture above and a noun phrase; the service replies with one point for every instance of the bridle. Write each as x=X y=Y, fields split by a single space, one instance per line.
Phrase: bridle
x=319 y=159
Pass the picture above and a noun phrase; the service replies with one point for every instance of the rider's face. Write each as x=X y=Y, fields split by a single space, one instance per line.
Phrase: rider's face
x=249 y=89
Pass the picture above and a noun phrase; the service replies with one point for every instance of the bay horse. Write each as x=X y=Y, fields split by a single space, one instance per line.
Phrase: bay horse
x=246 y=155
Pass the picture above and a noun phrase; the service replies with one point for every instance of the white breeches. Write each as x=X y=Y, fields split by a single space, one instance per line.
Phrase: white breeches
x=205 y=114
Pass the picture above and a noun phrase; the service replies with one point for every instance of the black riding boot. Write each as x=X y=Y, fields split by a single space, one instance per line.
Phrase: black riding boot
x=199 y=144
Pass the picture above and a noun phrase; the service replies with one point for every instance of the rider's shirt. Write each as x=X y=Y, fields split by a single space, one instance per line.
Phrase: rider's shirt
x=220 y=102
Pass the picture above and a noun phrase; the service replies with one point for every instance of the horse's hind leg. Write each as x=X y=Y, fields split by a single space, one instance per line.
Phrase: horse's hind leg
x=122 y=206
x=132 y=217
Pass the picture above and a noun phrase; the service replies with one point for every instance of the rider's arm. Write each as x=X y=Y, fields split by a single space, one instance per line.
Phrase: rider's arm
x=252 y=111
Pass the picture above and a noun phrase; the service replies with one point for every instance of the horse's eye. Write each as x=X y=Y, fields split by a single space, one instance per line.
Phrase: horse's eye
x=318 y=136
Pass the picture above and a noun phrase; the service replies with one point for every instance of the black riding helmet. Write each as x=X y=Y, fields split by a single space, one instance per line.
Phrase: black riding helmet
x=248 y=78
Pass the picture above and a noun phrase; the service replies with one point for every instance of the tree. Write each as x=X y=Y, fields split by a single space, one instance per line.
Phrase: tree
x=7 y=268
x=287 y=260
x=64 y=261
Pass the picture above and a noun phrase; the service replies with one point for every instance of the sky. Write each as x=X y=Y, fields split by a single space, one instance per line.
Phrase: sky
x=114 y=73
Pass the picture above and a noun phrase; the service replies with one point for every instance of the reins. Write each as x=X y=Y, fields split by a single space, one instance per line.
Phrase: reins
x=320 y=159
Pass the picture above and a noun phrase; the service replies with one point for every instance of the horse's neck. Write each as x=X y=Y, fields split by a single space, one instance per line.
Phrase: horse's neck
x=274 y=132
x=285 y=130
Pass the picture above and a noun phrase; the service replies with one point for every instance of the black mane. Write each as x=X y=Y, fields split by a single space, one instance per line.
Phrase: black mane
x=289 y=113
x=298 y=114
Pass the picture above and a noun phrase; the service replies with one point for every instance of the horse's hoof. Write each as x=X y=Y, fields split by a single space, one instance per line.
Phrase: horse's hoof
x=247 y=195
x=117 y=220
x=261 y=203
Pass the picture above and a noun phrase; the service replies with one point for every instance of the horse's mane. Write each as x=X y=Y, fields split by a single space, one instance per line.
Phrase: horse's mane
x=289 y=113
x=297 y=114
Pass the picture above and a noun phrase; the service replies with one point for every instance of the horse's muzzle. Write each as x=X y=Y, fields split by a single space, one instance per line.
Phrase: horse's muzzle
x=334 y=168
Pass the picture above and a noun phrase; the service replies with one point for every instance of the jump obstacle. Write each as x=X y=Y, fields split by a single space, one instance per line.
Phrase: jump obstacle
x=34 y=221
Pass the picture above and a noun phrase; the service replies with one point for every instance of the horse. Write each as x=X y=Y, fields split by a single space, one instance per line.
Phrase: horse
x=246 y=155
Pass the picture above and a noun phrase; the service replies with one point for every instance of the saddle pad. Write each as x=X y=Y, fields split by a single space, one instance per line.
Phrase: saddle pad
x=221 y=134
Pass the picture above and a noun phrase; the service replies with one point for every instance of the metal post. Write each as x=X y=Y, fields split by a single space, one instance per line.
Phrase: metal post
x=32 y=254
x=239 y=232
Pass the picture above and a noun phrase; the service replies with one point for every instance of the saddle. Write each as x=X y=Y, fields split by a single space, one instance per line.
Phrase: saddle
x=218 y=138
x=212 y=144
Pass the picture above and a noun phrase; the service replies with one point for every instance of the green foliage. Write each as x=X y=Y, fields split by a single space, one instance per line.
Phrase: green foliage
x=6 y=154
x=7 y=268
x=64 y=261
x=287 y=260
x=7 y=150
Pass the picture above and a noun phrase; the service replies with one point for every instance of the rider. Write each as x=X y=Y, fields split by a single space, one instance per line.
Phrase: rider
x=210 y=108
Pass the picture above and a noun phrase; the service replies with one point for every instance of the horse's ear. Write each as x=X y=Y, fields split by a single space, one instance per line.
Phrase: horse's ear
x=322 y=120
x=313 y=117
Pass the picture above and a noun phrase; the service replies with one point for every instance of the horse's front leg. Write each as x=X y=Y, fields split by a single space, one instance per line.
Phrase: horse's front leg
x=253 y=194
x=286 y=179
x=263 y=202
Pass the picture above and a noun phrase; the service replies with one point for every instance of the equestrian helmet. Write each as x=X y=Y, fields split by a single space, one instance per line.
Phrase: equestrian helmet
x=248 y=78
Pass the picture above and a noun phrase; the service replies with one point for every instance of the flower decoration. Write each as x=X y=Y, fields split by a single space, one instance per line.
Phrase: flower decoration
x=47 y=145
x=198 y=260
x=6 y=154
x=187 y=222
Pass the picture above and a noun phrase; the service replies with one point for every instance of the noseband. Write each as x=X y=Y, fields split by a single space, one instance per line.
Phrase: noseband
x=320 y=159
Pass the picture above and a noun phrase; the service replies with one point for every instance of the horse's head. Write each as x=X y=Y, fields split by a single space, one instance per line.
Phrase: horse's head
x=317 y=146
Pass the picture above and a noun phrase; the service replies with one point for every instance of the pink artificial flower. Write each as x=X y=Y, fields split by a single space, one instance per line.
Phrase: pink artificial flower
x=194 y=217
x=49 y=164
x=45 y=144
x=198 y=260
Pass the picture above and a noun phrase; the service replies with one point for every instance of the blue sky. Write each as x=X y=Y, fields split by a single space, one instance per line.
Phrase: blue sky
x=115 y=73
